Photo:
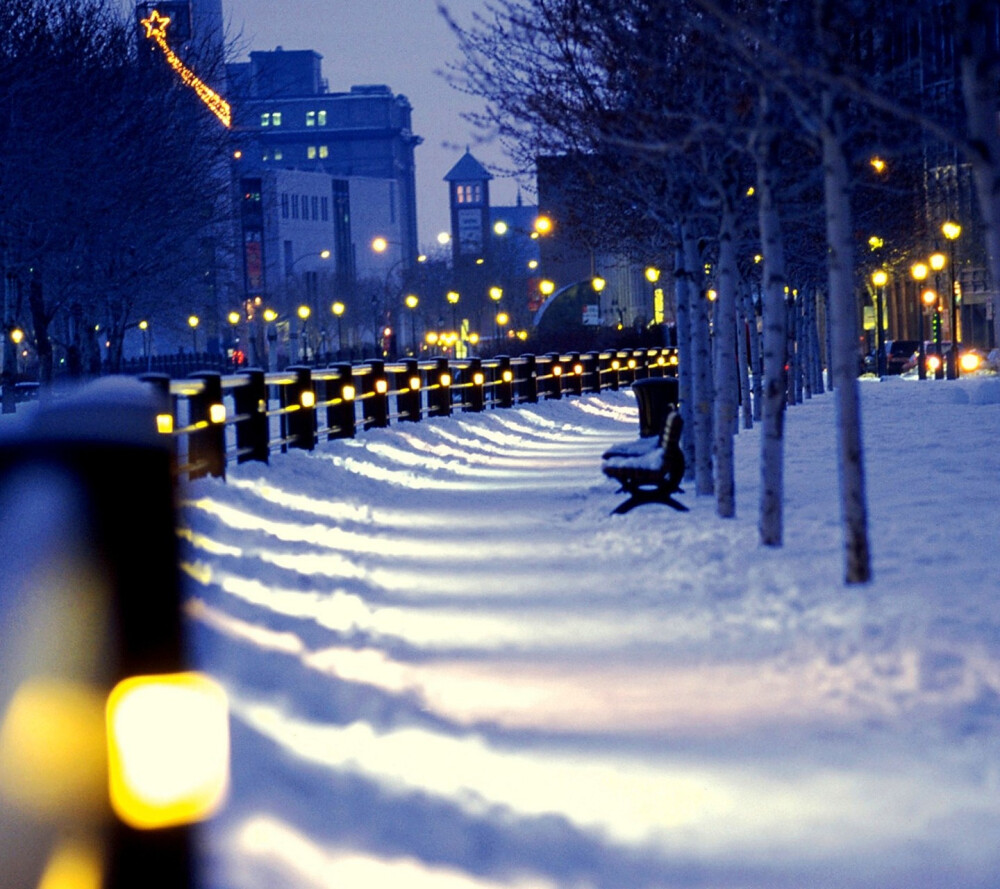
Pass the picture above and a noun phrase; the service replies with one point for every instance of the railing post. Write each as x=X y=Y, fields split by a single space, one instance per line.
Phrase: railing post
x=575 y=371
x=439 y=391
x=505 y=382
x=376 y=402
x=302 y=419
x=409 y=392
x=340 y=417
x=250 y=401
x=207 y=445
x=530 y=381
x=554 y=386
x=477 y=379
x=591 y=372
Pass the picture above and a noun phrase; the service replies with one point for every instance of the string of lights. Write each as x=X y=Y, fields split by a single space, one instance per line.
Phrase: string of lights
x=156 y=30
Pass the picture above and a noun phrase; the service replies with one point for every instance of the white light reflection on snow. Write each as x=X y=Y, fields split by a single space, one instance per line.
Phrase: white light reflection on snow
x=281 y=847
x=740 y=811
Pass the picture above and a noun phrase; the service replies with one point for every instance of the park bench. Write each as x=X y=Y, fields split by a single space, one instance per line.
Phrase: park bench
x=650 y=468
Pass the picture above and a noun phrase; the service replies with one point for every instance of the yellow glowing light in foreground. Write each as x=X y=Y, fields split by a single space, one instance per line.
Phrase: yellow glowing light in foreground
x=164 y=424
x=546 y=287
x=308 y=399
x=348 y=393
x=217 y=413
x=168 y=749
x=879 y=277
x=156 y=30
x=969 y=362
x=270 y=315
x=543 y=225
x=380 y=245
x=877 y=164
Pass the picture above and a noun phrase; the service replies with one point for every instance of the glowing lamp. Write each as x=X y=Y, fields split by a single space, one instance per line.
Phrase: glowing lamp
x=17 y=336
x=933 y=363
x=478 y=379
x=951 y=230
x=616 y=364
x=543 y=225
x=969 y=362
x=381 y=386
x=496 y=293
x=411 y=301
x=307 y=399
x=878 y=165
x=598 y=283
x=414 y=383
x=631 y=364
x=270 y=315
x=928 y=297
x=380 y=245
x=879 y=277
x=164 y=424
x=712 y=295
x=546 y=287
x=431 y=337
x=500 y=227
x=507 y=376
x=168 y=749
x=937 y=261
x=578 y=369
x=652 y=274
x=217 y=413
x=337 y=308
x=193 y=321
x=143 y=325
x=348 y=393
x=557 y=370
x=445 y=379
x=919 y=271
x=233 y=317
x=661 y=361
x=452 y=297
x=473 y=338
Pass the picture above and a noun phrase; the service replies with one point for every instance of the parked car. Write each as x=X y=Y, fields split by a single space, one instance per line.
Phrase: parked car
x=900 y=355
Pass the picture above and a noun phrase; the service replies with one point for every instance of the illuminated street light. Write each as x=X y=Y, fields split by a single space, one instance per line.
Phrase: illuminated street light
x=453 y=297
x=952 y=230
x=543 y=225
x=546 y=287
x=919 y=271
x=380 y=244
x=879 y=279
x=193 y=322
x=496 y=293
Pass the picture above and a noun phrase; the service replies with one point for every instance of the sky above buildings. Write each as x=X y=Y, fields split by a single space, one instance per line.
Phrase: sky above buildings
x=404 y=44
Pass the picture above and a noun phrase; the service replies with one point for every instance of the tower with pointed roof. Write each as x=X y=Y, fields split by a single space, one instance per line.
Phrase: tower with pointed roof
x=469 y=200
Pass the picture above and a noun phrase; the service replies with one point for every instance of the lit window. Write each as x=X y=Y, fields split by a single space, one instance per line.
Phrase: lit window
x=278 y=154
x=310 y=118
x=265 y=119
x=321 y=118
x=311 y=152
x=276 y=118
x=324 y=151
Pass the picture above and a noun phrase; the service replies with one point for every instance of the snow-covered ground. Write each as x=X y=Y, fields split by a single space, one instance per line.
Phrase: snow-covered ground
x=450 y=666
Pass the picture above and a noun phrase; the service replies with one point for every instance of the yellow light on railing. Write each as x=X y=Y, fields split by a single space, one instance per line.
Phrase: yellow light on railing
x=631 y=364
x=557 y=370
x=578 y=369
x=508 y=376
x=307 y=398
x=414 y=383
x=381 y=386
x=164 y=424
x=168 y=749
x=478 y=379
x=673 y=359
x=348 y=393
x=661 y=361
x=445 y=379
x=616 y=364
x=217 y=413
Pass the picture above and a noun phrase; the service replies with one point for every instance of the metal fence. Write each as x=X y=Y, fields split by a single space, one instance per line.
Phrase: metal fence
x=218 y=419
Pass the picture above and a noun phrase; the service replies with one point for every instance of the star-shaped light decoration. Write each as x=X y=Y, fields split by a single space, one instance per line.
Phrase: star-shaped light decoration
x=156 y=25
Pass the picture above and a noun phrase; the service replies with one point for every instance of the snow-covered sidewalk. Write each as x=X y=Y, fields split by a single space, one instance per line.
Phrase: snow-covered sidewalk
x=450 y=666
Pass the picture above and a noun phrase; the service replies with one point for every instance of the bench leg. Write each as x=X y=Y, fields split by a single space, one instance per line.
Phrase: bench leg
x=642 y=496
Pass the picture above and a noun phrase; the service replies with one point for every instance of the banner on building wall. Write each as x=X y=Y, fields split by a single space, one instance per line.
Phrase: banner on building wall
x=470 y=231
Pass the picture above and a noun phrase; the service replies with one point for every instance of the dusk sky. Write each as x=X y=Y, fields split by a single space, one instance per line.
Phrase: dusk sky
x=401 y=43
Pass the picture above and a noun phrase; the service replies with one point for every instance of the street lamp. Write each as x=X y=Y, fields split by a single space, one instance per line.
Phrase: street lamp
x=951 y=231
x=338 y=310
x=412 y=302
x=919 y=272
x=937 y=262
x=879 y=278
x=452 y=298
x=193 y=322
x=304 y=312
x=270 y=316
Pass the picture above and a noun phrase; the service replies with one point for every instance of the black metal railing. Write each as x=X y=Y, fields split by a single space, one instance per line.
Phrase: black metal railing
x=217 y=419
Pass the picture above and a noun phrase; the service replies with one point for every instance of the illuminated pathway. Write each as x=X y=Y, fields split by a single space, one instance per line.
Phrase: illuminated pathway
x=450 y=667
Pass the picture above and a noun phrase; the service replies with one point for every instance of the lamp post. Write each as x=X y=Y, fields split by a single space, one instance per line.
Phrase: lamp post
x=879 y=279
x=919 y=272
x=144 y=327
x=496 y=293
x=453 y=298
x=193 y=322
x=304 y=312
x=412 y=302
x=951 y=231
x=270 y=316
x=937 y=262
x=338 y=310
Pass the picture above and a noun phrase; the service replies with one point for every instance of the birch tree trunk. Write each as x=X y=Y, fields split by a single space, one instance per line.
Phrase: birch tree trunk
x=979 y=91
x=743 y=333
x=684 y=370
x=774 y=313
x=844 y=359
x=701 y=365
x=756 y=359
x=727 y=389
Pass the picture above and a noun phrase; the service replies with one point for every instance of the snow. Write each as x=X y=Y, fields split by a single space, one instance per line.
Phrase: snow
x=450 y=666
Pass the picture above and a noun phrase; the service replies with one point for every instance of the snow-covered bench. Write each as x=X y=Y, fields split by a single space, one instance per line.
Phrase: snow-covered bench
x=650 y=468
